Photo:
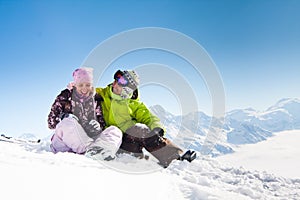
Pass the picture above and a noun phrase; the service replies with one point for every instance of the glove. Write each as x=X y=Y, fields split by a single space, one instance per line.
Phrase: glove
x=157 y=131
x=95 y=124
x=66 y=115
x=93 y=128
x=155 y=137
x=155 y=141
x=63 y=115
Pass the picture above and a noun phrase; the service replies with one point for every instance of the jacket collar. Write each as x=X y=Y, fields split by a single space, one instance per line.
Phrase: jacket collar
x=113 y=95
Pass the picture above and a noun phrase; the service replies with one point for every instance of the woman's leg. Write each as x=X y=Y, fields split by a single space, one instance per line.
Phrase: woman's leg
x=70 y=136
x=109 y=140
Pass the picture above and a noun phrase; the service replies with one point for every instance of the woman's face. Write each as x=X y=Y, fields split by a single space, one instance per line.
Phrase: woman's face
x=84 y=88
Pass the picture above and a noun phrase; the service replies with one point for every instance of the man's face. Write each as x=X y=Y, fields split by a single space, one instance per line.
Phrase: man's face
x=124 y=91
x=117 y=89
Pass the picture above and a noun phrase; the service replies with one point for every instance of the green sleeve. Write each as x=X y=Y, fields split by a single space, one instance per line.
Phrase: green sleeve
x=143 y=115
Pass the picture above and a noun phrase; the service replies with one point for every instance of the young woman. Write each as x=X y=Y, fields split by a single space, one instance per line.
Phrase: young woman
x=78 y=121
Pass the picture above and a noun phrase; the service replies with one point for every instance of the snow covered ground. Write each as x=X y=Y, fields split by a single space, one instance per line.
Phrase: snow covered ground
x=279 y=154
x=32 y=172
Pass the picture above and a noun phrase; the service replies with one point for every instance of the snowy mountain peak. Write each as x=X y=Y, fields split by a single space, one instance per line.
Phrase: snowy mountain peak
x=242 y=126
x=157 y=108
x=286 y=103
x=160 y=111
x=197 y=115
x=241 y=114
x=289 y=109
x=247 y=110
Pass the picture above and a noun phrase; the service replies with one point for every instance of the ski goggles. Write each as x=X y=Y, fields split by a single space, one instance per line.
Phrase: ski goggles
x=121 y=79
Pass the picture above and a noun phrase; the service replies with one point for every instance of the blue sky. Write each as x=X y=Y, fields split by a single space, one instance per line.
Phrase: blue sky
x=254 y=44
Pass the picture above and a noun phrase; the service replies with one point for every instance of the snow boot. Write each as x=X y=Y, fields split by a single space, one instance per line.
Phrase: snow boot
x=189 y=156
x=98 y=153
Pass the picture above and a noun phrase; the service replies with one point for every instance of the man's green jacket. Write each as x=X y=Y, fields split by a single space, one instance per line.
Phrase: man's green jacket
x=125 y=113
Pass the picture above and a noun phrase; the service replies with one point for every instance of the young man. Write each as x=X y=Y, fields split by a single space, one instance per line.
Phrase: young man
x=141 y=129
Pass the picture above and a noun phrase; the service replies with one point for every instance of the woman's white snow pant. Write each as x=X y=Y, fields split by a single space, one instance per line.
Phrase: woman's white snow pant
x=69 y=136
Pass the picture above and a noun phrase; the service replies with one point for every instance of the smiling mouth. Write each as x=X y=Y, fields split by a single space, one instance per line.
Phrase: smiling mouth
x=84 y=92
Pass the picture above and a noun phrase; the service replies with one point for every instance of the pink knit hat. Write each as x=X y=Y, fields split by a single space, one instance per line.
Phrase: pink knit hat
x=83 y=75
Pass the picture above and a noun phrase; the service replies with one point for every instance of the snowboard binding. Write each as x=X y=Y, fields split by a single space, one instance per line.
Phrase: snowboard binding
x=188 y=155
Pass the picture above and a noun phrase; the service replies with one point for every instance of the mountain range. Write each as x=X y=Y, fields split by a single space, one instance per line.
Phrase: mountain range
x=201 y=132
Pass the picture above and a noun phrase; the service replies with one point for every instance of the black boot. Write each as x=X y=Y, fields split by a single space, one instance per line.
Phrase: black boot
x=189 y=156
x=98 y=153
x=93 y=151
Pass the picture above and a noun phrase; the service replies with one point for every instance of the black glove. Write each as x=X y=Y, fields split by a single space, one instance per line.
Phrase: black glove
x=93 y=128
x=66 y=115
x=63 y=115
x=155 y=137
x=157 y=131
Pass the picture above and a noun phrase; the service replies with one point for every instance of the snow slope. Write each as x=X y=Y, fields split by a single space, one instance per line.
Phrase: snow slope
x=32 y=172
x=279 y=154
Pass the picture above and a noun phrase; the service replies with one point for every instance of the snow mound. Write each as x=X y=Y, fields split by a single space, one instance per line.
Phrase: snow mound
x=35 y=173
x=278 y=154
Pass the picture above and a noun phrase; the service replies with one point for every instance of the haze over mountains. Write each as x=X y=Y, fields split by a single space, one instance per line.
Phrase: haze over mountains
x=241 y=126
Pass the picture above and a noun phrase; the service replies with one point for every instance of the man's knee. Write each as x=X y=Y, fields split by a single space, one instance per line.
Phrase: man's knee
x=138 y=131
